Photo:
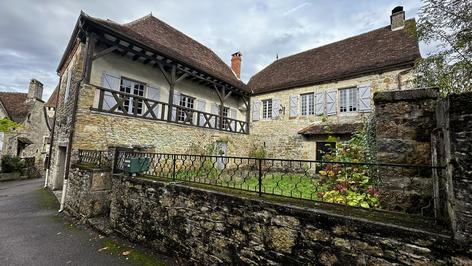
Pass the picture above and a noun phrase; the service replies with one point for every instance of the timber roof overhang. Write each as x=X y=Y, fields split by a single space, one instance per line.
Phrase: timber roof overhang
x=331 y=129
x=139 y=47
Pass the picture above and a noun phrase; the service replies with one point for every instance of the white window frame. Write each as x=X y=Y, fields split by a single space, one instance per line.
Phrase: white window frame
x=307 y=104
x=137 y=88
x=267 y=109
x=225 y=115
x=187 y=102
x=348 y=100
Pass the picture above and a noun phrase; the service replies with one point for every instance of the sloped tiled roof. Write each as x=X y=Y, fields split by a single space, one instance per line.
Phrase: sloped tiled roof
x=365 y=53
x=165 y=39
x=335 y=129
x=52 y=101
x=15 y=105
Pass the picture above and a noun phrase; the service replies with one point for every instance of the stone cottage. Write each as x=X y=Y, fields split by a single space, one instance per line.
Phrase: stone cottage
x=26 y=109
x=148 y=86
x=300 y=100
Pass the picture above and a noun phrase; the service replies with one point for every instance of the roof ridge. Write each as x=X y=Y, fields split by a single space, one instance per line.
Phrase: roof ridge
x=138 y=19
x=324 y=45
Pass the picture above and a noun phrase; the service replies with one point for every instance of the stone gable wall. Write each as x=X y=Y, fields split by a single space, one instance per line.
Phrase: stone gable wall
x=210 y=228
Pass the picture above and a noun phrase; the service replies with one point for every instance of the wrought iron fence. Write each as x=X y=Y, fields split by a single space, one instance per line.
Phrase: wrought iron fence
x=397 y=187
x=94 y=158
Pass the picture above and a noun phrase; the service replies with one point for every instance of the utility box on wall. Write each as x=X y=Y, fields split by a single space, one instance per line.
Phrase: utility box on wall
x=133 y=166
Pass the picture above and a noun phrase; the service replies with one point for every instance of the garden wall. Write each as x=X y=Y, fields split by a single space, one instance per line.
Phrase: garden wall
x=88 y=192
x=208 y=227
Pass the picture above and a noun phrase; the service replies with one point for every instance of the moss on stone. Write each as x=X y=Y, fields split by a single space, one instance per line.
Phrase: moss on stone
x=136 y=257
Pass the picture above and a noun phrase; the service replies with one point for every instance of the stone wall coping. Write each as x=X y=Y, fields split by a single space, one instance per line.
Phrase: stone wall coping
x=406 y=95
x=356 y=217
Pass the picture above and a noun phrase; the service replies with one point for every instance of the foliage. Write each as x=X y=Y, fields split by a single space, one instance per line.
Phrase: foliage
x=348 y=183
x=448 y=25
x=6 y=125
x=258 y=152
x=12 y=164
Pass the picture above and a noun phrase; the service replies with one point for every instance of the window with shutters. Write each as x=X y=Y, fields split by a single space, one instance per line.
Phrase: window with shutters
x=267 y=108
x=188 y=102
x=308 y=104
x=132 y=105
x=348 y=100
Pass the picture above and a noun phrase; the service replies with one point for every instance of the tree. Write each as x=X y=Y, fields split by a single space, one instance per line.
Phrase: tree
x=6 y=125
x=446 y=24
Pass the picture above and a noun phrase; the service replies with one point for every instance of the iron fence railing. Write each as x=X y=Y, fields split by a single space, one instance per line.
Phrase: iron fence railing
x=396 y=187
x=95 y=158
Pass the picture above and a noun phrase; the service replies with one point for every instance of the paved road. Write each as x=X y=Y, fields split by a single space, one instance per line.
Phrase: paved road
x=32 y=232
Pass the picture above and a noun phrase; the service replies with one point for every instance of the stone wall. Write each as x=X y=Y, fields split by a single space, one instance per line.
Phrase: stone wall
x=209 y=228
x=404 y=123
x=454 y=148
x=64 y=112
x=88 y=192
x=280 y=136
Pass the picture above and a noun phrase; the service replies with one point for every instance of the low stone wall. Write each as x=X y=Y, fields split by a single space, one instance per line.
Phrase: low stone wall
x=88 y=192
x=208 y=227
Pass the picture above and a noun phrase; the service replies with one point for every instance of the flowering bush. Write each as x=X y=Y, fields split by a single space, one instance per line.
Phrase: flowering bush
x=345 y=181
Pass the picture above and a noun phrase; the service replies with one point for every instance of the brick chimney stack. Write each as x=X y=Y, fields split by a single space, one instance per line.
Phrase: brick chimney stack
x=35 y=90
x=397 y=19
x=236 y=64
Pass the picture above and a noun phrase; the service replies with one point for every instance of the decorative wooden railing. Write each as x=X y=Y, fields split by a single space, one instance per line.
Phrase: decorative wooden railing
x=122 y=103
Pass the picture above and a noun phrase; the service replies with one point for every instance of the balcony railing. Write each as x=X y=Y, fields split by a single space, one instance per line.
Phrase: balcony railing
x=122 y=103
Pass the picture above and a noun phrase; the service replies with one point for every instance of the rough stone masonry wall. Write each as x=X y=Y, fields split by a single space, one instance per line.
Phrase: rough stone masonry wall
x=210 y=228
x=404 y=123
x=455 y=141
x=64 y=112
x=88 y=192
x=280 y=136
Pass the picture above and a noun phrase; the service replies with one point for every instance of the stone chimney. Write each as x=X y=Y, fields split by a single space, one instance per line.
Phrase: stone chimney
x=236 y=64
x=397 y=19
x=35 y=90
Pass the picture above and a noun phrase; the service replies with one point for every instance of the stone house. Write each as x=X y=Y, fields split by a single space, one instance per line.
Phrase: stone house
x=300 y=100
x=28 y=110
x=148 y=86
x=145 y=85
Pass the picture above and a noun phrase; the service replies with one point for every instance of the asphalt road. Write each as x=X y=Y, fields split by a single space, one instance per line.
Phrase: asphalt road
x=33 y=233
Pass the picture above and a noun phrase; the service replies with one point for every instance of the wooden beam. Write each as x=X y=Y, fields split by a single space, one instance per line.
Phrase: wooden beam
x=136 y=56
x=181 y=77
x=104 y=52
x=164 y=72
x=91 y=40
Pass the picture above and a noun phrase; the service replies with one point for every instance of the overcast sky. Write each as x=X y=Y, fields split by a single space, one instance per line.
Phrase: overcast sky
x=35 y=33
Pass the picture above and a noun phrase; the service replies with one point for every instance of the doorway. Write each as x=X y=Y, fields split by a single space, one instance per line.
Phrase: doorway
x=60 y=168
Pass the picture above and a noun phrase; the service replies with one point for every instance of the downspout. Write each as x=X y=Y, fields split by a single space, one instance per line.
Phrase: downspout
x=74 y=115
x=399 y=78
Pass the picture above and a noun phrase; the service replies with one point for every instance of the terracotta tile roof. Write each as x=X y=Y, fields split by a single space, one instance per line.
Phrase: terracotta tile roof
x=52 y=101
x=15 y=105
x=376 y=50
x=160 y=36
x=335 y=129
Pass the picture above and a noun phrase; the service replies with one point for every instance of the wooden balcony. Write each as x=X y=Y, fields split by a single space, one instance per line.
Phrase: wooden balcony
x=126 y=104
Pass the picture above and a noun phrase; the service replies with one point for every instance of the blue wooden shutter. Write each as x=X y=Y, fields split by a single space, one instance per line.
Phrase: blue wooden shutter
x=111 y=82
x=365 y=99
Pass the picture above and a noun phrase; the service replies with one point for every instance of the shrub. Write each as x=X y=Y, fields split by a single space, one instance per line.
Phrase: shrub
x=12 y=164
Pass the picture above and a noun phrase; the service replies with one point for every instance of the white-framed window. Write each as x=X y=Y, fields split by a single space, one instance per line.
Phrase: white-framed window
x=188 y=102
x=225 y=115
x=132 y=105
x=348 y=100
x=308 y=104
x=266 y=108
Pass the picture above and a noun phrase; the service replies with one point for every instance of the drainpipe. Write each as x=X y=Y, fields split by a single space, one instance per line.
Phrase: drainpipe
x=399 y=78
x=74 y=115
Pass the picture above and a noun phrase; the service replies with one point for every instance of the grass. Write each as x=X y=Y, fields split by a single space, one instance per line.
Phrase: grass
x=47 y=199
x=135 y=256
